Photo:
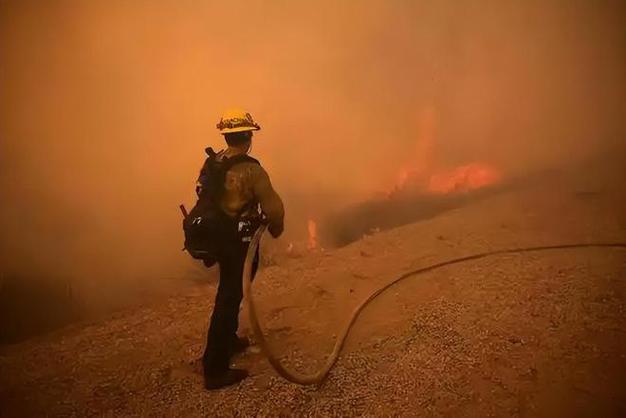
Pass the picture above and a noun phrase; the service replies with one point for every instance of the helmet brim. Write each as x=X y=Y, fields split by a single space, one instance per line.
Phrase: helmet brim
x=239 y=129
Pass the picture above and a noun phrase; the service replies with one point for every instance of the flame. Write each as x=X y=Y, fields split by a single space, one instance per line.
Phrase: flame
x=312 y=228
x=414 y=173
x=403 y=178
x=465 y=178
x=426 y=174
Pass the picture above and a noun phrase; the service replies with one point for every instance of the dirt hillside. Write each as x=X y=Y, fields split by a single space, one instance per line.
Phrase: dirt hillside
x=540 y=334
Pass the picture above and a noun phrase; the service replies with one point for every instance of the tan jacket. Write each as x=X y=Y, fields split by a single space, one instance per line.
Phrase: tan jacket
x=249 y=183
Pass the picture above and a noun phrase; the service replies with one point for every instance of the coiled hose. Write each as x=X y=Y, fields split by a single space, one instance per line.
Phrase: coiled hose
x=318 y=377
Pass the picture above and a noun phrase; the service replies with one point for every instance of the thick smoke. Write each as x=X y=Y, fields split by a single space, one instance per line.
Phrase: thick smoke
x=106 y=107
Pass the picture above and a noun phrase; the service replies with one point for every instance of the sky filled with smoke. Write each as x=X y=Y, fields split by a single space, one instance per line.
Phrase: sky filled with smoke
x=106 y=107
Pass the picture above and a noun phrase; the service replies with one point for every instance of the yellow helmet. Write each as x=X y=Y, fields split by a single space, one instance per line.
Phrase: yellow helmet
x=237 y=120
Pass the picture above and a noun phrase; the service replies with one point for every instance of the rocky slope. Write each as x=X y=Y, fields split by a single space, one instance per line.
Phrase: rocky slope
x=540 y=334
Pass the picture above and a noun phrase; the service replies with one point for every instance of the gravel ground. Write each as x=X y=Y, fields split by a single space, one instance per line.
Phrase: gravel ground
x=540 y=334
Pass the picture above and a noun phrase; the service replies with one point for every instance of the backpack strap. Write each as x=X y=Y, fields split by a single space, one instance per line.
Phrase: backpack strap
x=213 y=174
x=224 y=165
x=210 y=153
x=206 y=171
x=228 y=163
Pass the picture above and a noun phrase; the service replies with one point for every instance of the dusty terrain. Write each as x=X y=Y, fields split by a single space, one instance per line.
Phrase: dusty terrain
x=540 y=334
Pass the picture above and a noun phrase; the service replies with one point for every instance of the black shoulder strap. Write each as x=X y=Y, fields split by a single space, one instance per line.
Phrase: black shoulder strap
x=210 y=153
x=228 y=163
x=213 y=173
x=225 y=164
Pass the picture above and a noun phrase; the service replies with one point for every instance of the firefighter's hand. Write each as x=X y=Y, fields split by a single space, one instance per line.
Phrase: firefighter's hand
x=275 y=230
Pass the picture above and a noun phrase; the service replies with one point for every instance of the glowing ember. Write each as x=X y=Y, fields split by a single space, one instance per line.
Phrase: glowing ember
x=312 y=228
x=463 y=179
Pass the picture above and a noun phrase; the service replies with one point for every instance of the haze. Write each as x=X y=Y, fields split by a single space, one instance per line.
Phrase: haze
x=106 y=107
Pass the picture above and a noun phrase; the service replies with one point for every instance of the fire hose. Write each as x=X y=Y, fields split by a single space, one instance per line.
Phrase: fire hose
x=318 y=377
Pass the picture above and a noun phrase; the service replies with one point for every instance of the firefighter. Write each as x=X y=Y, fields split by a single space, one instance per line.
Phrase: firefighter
x=247 y=195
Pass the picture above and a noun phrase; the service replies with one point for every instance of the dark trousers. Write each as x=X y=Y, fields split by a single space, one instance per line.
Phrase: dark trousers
x=225 y=318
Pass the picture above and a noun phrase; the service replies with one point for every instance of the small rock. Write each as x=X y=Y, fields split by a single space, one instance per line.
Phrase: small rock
x=515 y=340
